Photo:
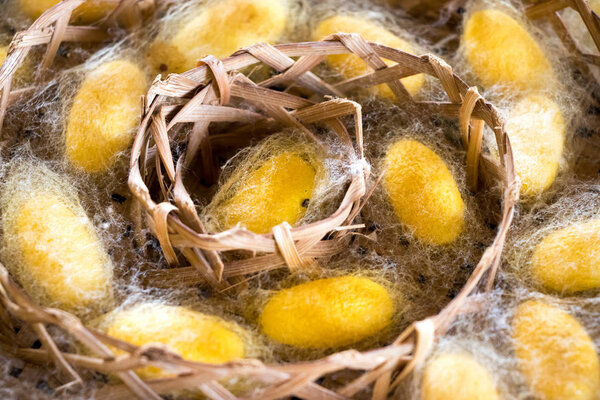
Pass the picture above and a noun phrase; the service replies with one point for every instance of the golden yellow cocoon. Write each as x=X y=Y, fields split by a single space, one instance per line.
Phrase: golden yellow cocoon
x=193 y=335
x=457 y=377
x=88 y=12
x=350 y=65
x=219 y=29
x=500 y=51
x=327 y=313
x=555 y=353
x=58 y=257
x=104 y=114
x=277 y=191
x=536 y=128
x=423 y=192
x=568 y=259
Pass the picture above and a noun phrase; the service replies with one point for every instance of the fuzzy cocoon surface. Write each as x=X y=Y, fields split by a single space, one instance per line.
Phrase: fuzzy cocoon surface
x=536 y=128
x=423 y=192
x=50 y=245
x=500 y=51
x=458 y=377
x=104 y=114
x=327 y=313
x=555 y=353
x=217 y=28
x=193 y=335
x=88 y=12
x=350 y=65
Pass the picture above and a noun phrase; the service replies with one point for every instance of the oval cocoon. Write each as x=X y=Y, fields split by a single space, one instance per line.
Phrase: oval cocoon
x=555 y=353
x=55 y=252
x=457 y=377
x=104 y=114
x=568 y=260
x=327 y=313
x=423 y=192
x=275 y=192
x=537 y=133
x=193 y=335
x=500 y=51
x=88 y=12
x=219 y=29
x=350 y=65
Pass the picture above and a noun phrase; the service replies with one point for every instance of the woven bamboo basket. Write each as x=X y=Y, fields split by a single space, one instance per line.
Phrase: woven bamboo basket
x=51 y=29
x=201 y=96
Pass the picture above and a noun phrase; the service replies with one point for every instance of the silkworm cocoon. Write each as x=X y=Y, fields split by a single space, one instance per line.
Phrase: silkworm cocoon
x=350 y=65
x=219 y=29
x=88 y=12
x=327 y=313
x=423 y=192
x=279 y=190
x=54 y=251
x=536 y=128
x=555 y=353
x=500 y=51
x=567 y=260
x=193 y=335
x=457 y=377
x=105 y=111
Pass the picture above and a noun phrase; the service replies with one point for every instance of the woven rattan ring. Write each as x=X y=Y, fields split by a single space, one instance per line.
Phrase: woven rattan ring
x=202 y=95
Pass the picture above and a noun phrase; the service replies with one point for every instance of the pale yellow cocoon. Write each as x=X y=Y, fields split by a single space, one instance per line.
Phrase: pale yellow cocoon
x=423 y=192
x=105 y=112
x=457 y=377
x=500 y=51
x=327 y=313
x=555 y=353
x=219 y=28
x=193 y=335
x=536 y=129
x=277 y=191
x=88 y=12
x=350 y=65
x=55 y=252
x=568 y=260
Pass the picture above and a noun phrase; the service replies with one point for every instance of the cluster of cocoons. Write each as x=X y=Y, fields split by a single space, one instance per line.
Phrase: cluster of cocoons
x=350 y=65
x=87 y=13
x=50 y=245
x=555 y=353
x=327 y=313
x=457 y=376
x=193 y=335
x=104 y=115
x=566 y=260
x=277 y=191
x=423 y=192
x=218 y=28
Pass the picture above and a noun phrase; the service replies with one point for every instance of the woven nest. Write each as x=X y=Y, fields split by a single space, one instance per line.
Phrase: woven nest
x=51 y=29
x=201 y=96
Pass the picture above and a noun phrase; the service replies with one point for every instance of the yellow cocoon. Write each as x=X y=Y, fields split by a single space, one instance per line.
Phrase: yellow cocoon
x=54 y=251
x=193 y=335
x=350 y=65
x=105 y=111
x=219 y=29
x=537 y=133
x=275 y=192
x=568 y=259
x=555 y=353
x=501 y=52
x=423 y=192
x=88 y=12
x=457 y=377
x=327 y=313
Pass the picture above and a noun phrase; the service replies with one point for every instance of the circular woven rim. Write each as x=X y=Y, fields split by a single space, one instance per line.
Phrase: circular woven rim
x=384 y=367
